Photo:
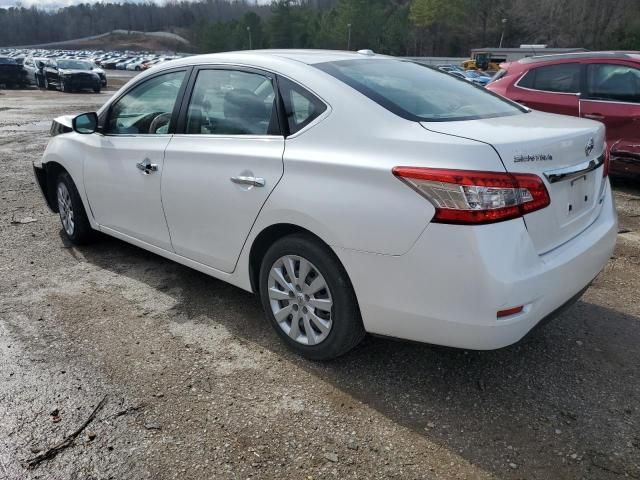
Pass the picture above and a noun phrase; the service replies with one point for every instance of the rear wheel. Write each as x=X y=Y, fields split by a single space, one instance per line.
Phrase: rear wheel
x=73 y=217
x=308 y=298
x=47 y=85
x=96 y=89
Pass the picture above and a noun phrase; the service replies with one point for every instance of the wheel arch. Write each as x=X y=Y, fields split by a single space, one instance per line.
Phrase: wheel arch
x=267 y=237
x=53 y=170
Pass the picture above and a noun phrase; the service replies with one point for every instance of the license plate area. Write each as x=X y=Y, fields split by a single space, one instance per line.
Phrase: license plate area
x=580 y=195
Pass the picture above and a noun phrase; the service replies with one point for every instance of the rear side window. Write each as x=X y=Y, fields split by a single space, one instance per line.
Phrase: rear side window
x=563 y=78
x=301 y=107
x=613 y=82
x=417 y=92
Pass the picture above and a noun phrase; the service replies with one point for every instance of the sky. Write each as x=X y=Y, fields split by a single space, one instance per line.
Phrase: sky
x=65 y=3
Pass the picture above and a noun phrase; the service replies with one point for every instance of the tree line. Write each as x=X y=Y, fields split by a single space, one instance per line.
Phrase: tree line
x=398 y=27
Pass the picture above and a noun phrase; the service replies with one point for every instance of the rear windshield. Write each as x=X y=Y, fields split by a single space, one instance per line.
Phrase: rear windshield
x=417 y=92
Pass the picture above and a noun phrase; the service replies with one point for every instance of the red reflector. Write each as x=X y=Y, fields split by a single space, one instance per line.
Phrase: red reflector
x=509 y=312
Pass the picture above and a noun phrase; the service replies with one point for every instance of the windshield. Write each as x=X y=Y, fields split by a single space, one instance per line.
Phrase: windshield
x=417 y=92
x=74 y=65
x=7 y=61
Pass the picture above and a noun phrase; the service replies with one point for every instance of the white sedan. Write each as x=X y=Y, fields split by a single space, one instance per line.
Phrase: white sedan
x=353 y=192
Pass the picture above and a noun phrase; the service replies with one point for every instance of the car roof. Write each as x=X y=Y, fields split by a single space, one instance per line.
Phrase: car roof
x=265 y=57
x=581 y=56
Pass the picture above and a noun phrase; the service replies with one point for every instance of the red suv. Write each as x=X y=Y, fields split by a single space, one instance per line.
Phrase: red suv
x=603 y=86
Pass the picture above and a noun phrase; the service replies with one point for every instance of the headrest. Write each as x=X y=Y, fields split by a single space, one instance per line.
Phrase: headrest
x=242 y=103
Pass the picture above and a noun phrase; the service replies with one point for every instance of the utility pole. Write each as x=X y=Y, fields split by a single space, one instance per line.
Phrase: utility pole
x=504 y=25
x=250 y=43
x=349 y=36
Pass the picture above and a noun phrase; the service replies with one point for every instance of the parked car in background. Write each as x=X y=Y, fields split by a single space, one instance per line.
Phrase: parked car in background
x=482 y=218
x=625 y=157
x=477 y=77
x=71 y=75
x=12 y=73
x=101 y=73
x=449 y=67
x=112 y=62
x=34 y=67
x=150 y=63
x=470 y=76
x=602 y=86
x=137 y=65
x=122 y=65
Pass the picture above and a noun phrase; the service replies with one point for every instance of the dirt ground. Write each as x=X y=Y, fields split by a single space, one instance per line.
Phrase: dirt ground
x=197 y=385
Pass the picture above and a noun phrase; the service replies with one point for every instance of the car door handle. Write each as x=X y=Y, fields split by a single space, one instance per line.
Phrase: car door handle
x=253 y=181
x=594 y=116
x=146 y=166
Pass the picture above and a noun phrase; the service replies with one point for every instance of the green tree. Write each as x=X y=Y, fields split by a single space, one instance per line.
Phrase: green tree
x=281 y=24
x=436 y=20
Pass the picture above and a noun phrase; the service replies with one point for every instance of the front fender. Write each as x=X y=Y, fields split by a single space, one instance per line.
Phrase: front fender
x=63 y=152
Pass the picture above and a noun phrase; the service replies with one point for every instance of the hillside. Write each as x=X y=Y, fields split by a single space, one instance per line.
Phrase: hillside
x=124 y=40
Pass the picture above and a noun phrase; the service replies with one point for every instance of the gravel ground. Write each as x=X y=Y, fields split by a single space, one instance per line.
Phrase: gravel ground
x=198 y=386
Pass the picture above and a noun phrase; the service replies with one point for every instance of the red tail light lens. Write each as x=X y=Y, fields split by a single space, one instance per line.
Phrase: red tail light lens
x=473 y=197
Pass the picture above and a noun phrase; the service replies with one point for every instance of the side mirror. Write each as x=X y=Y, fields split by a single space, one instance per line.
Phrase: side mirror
x=85 y=123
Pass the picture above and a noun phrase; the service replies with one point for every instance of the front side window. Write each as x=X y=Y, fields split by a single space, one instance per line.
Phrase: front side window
x=301 y=107
x=231 y=102
x=613 y=82
x=562 y=78
x=417 y=92
x=147 y=108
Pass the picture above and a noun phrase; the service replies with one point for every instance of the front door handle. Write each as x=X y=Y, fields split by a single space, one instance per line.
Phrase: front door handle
x=253 y=181
x=594 y=116
x=146 y=166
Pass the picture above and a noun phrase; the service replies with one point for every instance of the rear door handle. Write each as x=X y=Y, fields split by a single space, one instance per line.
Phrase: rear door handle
x=594 y=116
x=253 y=181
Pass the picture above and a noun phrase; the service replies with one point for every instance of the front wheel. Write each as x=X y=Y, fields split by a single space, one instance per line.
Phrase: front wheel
x=73 y=217
x=308 y=298
x=96 y=89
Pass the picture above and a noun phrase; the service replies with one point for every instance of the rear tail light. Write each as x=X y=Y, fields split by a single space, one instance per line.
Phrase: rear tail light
x=466 y=197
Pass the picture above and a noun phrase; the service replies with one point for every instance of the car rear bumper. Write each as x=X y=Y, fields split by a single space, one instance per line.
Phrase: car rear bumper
x=448 y=288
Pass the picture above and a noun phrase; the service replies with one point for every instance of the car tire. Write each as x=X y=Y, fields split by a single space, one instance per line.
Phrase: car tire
x=73 y=216
x=319 y=324
x=96 y=89
x=47 y=85
x=64 y=86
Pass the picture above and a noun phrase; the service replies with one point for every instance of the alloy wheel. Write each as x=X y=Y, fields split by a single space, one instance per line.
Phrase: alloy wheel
x=300 y=300
x=65 y=209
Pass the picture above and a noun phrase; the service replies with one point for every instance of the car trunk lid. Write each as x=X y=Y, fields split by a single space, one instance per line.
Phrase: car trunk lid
x=566 y=152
